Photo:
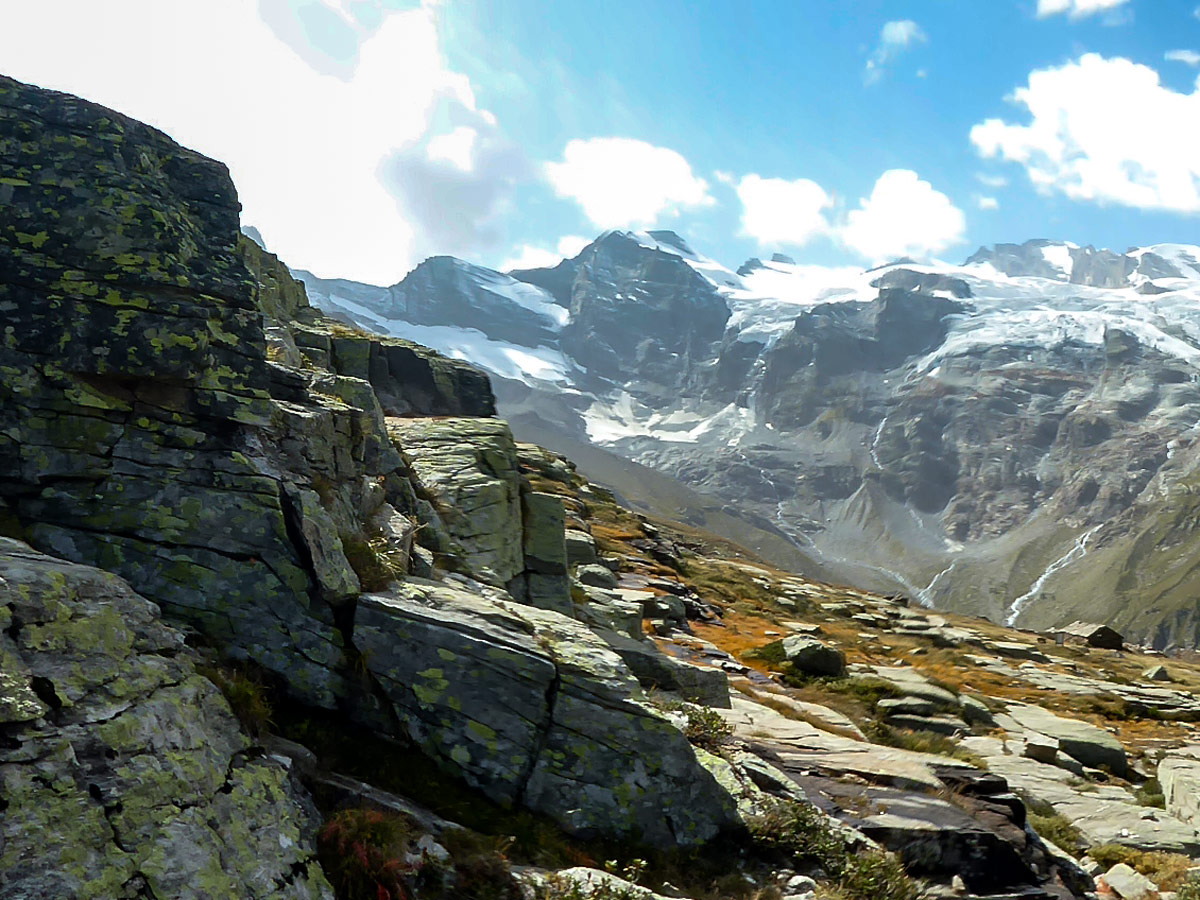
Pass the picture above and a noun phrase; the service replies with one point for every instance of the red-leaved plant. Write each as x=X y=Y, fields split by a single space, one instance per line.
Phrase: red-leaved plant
x=363 y=852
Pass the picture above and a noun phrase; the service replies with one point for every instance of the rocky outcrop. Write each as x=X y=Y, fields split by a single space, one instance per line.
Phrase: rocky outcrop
x=146 y=428
x=173 y=411
x=832 y=346
x=1179 y=775
x=123 y=772
x=1086 y=743
x=533 y=708
x=507 y=534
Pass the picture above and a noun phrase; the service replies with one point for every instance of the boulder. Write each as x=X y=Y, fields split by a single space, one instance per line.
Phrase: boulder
x=813 y=657
x=975 y=711
x=1129 y=884
x=1103 y=813
x=1180 y=780
x=912 y=684
x=543 y=543
x=1040 y=747
x=609 y=609
x=1157 y=673
x=581 y=547
x=596 y=575
x=121 y=764
x=584 y=883
x=913 y=706
x=533 y=708
x=667 y=607
x=470 y=466
x=551 y=592
x=1090 y=745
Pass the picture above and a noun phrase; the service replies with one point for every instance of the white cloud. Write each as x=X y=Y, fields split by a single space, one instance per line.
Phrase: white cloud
x=985 y=202
x=571 y=245
x=992 y=181
x=311 y=146
x=1190 y=57
x=622 y=182
x=904 y=216
x=894 y=38
x=1106 y=131
x=1076 y=8
x=776 y=211
x=456 y=147
x=529 y=256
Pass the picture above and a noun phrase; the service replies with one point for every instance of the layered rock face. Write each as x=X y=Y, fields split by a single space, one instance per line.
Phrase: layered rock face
x=123 y=772
x=139 y=428
x=171 y=410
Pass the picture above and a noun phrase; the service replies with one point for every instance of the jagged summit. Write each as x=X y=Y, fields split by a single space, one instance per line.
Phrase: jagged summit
x=1141 y=267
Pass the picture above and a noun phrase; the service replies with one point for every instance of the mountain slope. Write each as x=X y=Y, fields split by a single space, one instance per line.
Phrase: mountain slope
x=950 y=432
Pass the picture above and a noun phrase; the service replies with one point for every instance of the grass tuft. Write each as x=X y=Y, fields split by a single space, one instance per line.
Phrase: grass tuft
x=246 y=695
x=1053 y=827
x=807 y=836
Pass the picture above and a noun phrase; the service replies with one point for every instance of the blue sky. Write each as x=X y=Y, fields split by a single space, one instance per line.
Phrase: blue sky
x=366 y=134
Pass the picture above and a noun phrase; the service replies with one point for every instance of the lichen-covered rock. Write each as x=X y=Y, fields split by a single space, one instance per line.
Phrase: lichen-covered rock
x=534 y=709
x=147 y=424
x=470 y=465
x=544 y=543
x=581 y=547
x=596 y=575
x=123 y=772
x=609 y=609
x=813 y=657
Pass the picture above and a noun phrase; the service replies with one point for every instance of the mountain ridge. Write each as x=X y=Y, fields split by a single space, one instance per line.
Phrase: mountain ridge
x=1101 y=346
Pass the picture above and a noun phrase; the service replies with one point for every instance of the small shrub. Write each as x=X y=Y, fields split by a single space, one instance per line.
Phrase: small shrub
x=865 y=689
x=246 y=695
x=1151 y=794
x=564 y=887
x=1053 y=827
x=705 y=728
x=921 y=742
x=1167 y=870
x=729 y=584
x=773 y=653
x=1190 y=889
x=372 y=561
x=481 y=867
x=803 y=833
x=363 y=853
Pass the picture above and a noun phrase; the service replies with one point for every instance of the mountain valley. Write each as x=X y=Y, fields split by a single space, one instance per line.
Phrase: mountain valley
x=960 y=434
